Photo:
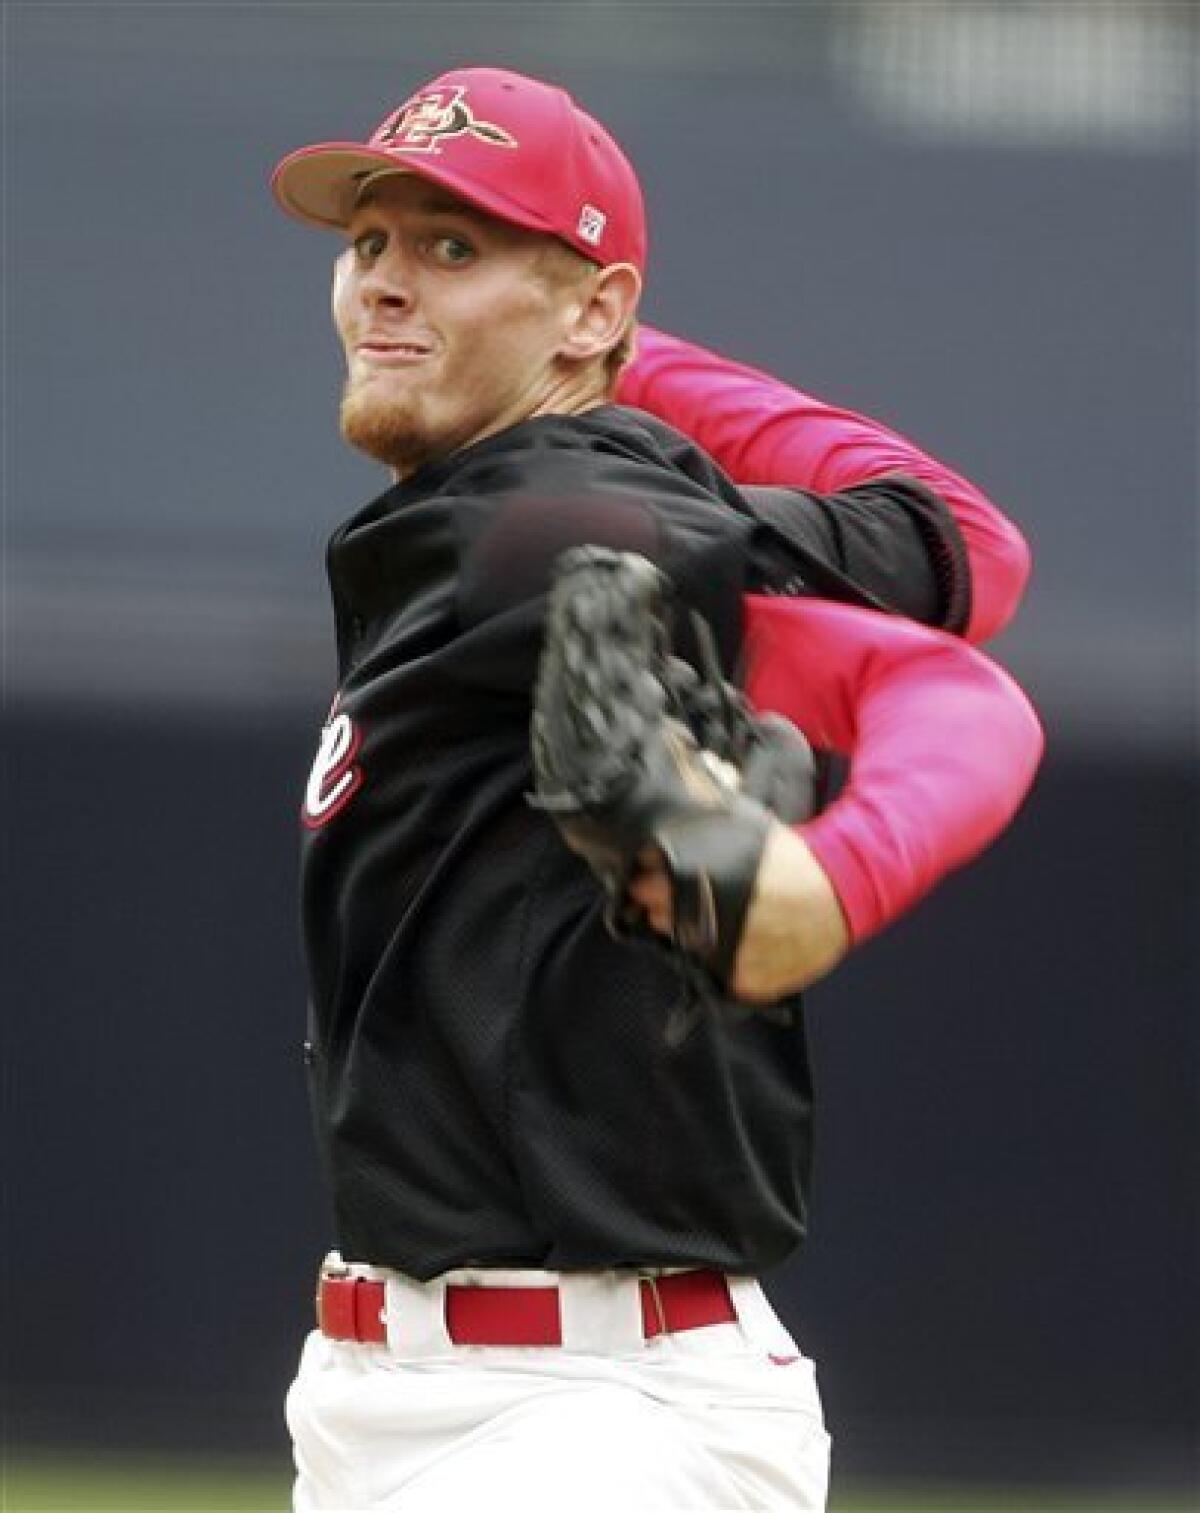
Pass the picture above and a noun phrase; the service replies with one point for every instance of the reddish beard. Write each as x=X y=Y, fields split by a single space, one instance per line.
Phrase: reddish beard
x=387 y=429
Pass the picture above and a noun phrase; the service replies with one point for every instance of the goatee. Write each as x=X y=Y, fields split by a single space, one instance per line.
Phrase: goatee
x=387 y=432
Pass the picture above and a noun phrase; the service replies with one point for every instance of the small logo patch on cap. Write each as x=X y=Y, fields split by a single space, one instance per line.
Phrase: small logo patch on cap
x=425 y=121
x=591 y=224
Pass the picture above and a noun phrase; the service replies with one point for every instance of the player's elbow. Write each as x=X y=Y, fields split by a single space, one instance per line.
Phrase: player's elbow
x=1002 y=755
x=1000 y=572
x=1027 y=740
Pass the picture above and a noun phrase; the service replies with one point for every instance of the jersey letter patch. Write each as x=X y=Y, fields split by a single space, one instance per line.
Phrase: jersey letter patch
x=335 y=777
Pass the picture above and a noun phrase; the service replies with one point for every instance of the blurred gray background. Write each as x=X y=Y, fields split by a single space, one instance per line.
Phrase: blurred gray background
x=974 y=221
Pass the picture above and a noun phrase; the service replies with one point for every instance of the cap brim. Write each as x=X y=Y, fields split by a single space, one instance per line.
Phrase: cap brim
x=319 y=184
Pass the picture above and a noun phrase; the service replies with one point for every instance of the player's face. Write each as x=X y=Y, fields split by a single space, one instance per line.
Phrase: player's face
x=451 y=331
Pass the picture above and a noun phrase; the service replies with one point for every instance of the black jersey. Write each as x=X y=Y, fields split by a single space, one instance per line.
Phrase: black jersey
x=490 y=1076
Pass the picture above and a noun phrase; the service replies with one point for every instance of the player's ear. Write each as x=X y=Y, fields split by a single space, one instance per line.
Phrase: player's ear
x=341 y=269
x=601 y=312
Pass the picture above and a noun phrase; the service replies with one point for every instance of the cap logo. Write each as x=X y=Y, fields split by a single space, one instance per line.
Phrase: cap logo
x=423 y=123
x=591 y=224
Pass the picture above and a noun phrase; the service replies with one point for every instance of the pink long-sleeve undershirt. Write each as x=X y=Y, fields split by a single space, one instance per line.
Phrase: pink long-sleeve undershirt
x=762 y=431
x=944 y=745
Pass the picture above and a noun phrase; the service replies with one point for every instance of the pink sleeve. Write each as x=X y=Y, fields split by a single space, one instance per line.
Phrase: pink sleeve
x=944 y=745
x=761 y=430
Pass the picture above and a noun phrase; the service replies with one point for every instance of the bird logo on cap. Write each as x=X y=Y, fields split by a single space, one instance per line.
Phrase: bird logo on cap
x=424 y=122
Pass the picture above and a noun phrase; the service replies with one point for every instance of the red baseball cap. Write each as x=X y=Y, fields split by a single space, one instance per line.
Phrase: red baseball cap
x=513 y=146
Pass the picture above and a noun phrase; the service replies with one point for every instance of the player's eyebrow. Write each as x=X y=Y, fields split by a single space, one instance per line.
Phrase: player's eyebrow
x=432 y=202
x=449 y=204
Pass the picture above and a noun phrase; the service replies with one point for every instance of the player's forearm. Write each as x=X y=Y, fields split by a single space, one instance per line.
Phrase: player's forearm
x=944 y=746
x=761 y=430
x=795 y=930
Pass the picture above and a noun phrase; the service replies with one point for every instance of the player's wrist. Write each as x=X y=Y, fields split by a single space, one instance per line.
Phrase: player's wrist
x=795 y=931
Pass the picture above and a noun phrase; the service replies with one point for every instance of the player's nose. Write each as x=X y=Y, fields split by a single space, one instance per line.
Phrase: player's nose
x=387 y=282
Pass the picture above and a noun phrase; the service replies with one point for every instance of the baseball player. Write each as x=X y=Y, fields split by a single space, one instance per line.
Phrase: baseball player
x=566 y=866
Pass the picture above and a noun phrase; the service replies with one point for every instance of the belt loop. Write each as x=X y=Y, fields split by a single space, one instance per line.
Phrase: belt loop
x=334 y=1266
x=602 y=1311
x=414 y=1316
x=759 y=1322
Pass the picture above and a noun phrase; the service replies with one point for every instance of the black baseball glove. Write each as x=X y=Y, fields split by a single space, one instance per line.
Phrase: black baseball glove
x=635 y=750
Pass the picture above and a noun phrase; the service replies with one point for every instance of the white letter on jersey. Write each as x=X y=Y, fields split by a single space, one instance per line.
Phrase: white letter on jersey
x=334 y=777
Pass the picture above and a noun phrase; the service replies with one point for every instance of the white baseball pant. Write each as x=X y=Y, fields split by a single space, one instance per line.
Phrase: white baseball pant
x=715 y=1418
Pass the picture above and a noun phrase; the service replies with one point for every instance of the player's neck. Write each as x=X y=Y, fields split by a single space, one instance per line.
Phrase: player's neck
x=571 y=395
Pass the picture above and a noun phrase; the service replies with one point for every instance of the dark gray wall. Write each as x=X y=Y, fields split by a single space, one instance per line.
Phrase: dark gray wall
x=1004 y=1261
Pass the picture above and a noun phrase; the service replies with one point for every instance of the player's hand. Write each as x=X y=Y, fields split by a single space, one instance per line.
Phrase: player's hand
x=635 y=749
x=795 y=931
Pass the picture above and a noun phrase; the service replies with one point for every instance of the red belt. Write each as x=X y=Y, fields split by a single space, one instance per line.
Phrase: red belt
x=351 y=1308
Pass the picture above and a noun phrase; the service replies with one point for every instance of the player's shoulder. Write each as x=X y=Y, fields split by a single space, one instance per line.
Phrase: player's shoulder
x=638 y=434
x=611 y=443
x=606 y=478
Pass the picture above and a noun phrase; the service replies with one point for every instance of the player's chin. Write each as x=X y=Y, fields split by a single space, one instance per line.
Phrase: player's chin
x=382 y=425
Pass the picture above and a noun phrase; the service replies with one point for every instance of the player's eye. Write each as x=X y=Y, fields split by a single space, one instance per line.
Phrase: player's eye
x=368 y=245
x=451 y=251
